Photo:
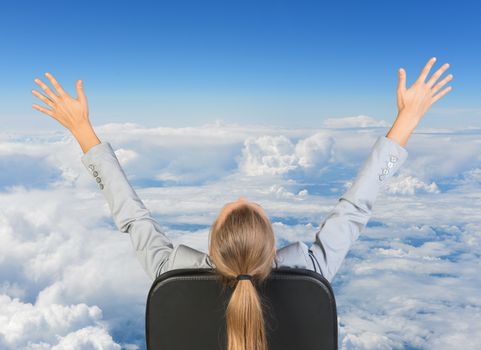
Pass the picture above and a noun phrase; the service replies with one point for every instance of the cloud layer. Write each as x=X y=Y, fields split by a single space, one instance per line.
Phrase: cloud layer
x=410 y=281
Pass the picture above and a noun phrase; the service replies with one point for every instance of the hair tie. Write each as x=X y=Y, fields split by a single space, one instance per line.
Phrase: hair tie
x=244 y=277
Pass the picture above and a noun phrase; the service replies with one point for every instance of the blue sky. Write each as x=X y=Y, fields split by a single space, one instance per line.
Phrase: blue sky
x=279 y=62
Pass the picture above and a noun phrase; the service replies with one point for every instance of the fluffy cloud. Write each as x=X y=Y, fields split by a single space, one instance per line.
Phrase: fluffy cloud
x=267 y=155
x=410 y=281
x=410 y=185
x=315 y=150
x=273 y=155
x=33 y=326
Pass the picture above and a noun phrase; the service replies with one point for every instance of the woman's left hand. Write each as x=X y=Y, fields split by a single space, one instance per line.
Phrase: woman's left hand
x=72 y=113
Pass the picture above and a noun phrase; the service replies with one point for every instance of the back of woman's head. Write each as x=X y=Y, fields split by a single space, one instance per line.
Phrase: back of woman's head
x=243 y=243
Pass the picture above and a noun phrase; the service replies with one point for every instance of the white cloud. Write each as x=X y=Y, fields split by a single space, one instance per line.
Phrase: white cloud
x=278 y=155
x=411 y=280
x=125 y=155
x=87 y=338
x=52 y=326
x=315 y=150
x=267 y=155
x=410 y=185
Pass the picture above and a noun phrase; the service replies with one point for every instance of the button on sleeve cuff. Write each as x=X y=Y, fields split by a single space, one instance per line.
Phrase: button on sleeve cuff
x=386 y=157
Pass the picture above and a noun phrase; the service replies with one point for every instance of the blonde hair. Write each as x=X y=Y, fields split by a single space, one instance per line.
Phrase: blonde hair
x=243 y=243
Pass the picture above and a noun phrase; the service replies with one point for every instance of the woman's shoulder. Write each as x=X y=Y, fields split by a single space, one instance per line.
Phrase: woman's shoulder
x=184 y=256
x=294 y=254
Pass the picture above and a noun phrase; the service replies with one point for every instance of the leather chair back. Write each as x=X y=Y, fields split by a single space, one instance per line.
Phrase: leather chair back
x=186 y=311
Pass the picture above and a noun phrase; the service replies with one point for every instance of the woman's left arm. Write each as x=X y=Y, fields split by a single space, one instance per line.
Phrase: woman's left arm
x=153 y=248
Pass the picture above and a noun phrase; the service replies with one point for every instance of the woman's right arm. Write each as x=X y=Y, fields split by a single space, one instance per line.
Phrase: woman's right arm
x=343 y=224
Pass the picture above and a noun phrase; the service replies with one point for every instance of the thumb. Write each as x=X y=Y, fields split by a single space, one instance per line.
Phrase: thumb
x=80 y=92
x=401 y=86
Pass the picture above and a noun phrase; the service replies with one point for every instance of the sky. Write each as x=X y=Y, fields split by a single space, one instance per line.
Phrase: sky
x=279 y=102
x=288 y=63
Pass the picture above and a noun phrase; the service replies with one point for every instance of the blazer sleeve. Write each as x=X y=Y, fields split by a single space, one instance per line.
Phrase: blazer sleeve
x=343 y=224
x=152 y=247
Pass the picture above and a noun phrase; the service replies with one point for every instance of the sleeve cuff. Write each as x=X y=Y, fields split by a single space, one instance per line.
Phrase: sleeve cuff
x=386 y=157
x=97 y=152
x=400 y=151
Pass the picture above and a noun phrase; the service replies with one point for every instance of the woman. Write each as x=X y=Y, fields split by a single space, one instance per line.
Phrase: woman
x=242 y=244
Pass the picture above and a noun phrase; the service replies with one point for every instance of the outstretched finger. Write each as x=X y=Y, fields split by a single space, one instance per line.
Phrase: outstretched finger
x=43 y=110
x=401 y=86
x=425 y=71
x=61 y=92
x=80 y=92
x=441 y=94
x=47 y=90
x=437 y=74
x=441 y=83
x=43 y=98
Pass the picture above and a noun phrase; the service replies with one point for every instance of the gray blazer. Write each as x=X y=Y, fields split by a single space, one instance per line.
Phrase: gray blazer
x=337 y=231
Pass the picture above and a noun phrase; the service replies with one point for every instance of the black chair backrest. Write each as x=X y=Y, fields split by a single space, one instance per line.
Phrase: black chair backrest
x=186 y=310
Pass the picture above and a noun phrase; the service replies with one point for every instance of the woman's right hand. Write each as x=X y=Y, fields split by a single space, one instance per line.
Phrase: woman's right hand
x=414 y=102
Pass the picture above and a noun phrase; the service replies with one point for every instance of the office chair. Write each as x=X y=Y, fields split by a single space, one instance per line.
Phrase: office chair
x=186 y=311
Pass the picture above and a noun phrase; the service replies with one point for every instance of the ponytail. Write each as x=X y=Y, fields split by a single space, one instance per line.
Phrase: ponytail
x=245 y=319
x=244 y=242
